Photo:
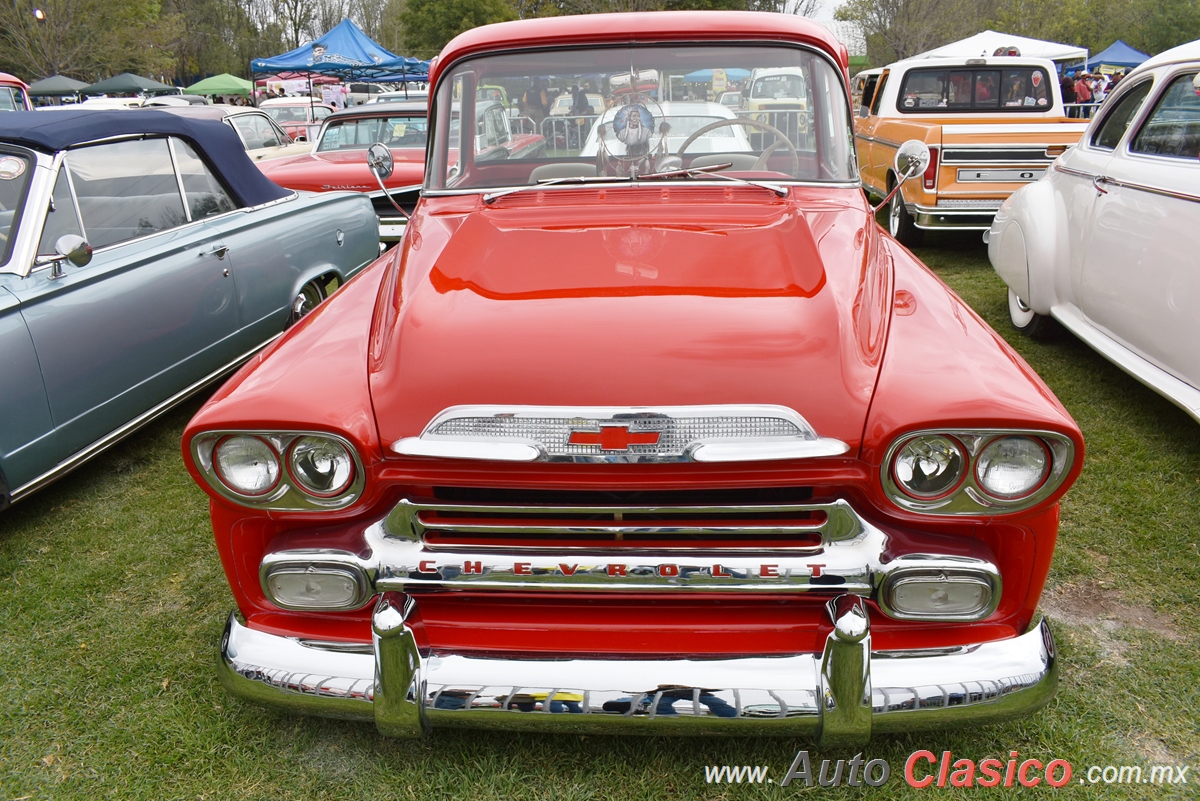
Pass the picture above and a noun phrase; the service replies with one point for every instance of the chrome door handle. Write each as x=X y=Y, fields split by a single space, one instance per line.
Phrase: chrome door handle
x=1097 y=183
x=219 y=251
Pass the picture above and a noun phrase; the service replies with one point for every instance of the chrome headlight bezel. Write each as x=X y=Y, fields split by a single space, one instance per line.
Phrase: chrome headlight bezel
x=287 y=494
x=970 y=497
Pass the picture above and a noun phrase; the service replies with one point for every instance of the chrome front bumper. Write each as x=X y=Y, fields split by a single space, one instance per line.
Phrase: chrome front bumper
x=839 y=696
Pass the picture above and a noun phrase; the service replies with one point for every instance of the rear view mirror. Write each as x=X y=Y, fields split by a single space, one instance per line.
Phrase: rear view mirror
x=379 y=160
x=75 y=249
x=912 y=158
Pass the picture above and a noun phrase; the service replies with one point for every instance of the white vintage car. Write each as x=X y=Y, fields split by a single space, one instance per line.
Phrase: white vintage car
x=1106 y=243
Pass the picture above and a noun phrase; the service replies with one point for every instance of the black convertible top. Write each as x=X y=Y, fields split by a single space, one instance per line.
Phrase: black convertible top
x=51 y=131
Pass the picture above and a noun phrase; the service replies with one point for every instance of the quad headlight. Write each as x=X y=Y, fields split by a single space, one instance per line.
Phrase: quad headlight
x=1012 y=467
x=975 y=471
x=246 y=465
x=929 y=466
x=283 y=470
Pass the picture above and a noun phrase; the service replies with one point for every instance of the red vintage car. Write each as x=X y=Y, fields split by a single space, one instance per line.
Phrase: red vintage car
x=339 y=158
x=654 y=440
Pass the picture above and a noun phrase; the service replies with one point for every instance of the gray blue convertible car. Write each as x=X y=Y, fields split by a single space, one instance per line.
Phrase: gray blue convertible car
x=142 y=256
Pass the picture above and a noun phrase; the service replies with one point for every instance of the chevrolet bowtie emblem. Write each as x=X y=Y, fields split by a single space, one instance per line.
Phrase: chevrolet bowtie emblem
x=614 y=438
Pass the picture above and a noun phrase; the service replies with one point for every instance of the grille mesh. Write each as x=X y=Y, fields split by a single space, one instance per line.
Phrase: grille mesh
x=676 y=434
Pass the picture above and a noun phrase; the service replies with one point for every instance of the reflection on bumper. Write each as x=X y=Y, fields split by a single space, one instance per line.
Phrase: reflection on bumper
x=962 y=215
x=839 y=696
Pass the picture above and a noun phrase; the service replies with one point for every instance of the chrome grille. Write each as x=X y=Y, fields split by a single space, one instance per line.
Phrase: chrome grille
x=788 y=525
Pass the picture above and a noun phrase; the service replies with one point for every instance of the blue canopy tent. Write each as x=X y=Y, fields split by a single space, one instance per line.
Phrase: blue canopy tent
x=706 y=76
x=344 y=51
x=1118 y=54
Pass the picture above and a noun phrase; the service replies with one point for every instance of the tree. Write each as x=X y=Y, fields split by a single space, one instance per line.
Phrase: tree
x=429 y=24
x=88 y=39
x=896 y=29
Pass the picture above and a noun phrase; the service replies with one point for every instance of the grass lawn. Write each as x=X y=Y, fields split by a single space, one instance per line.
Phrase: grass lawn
x=112 y=601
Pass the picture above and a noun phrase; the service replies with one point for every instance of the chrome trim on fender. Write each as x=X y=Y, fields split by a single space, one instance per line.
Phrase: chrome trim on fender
x=548 y=433
x=970 y=499
x=840 y=696
x=1178 y=392
x=285 y=496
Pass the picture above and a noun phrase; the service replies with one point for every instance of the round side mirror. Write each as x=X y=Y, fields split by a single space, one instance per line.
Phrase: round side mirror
x=379 y=160
x=75 y=249
x=912 y=158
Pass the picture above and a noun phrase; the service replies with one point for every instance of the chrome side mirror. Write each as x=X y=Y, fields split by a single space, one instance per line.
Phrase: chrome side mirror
x=912 y=158
x=75 y=249
x=379 y=160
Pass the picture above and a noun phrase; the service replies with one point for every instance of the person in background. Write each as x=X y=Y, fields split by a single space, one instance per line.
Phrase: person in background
x=536 y=102
x=1068 y=94
x=1083 y=95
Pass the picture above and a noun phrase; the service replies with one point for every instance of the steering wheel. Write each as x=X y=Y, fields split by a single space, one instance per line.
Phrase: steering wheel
x=780 y=139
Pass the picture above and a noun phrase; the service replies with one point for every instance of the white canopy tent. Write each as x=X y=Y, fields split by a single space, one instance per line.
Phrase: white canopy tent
x=987 y=43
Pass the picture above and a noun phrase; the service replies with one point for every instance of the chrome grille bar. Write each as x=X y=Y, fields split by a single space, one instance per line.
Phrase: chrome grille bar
x=411 y=520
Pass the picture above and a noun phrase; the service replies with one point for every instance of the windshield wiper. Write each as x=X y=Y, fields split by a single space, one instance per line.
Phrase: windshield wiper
x=714 y=170
x=569 y=179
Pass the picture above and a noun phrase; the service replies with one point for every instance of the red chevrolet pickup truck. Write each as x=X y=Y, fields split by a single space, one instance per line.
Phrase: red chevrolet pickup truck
x=665 y=438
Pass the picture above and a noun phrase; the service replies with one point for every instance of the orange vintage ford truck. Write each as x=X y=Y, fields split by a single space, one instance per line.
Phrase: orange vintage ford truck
x=992 y=125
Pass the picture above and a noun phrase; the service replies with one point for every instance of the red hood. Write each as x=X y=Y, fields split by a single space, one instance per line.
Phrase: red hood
x=735 y=300
x=343 y=169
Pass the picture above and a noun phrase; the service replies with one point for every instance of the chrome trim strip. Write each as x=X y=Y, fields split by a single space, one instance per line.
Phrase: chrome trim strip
x=513 y=448
x=840 y=695
x=81 y=456
x=1104 y=179
x=1058 y=165
x=1178 y=392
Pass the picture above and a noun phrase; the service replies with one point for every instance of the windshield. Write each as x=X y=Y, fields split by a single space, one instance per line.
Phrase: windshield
x=634 y=110
x=15 y=171
x=287 y=113
x=394 y=130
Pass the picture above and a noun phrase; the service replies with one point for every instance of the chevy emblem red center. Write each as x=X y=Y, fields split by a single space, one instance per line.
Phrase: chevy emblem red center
x=614 y=438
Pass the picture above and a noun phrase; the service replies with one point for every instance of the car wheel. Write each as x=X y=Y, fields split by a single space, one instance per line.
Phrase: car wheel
x=1026 y=320
x=901 y=224
x=310 y=295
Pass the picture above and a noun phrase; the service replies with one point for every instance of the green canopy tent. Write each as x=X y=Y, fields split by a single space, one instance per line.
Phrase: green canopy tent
x=223 y=84
x=128 y=84
x=56 y=86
